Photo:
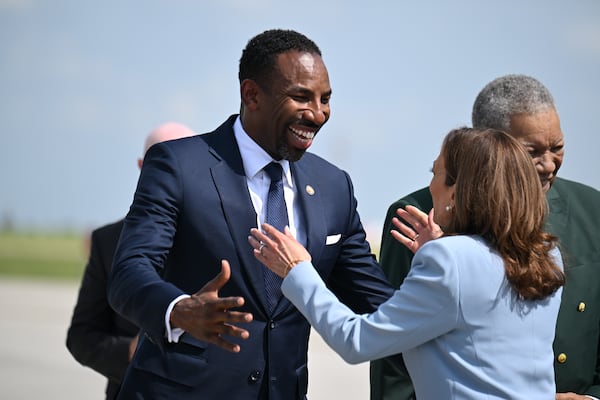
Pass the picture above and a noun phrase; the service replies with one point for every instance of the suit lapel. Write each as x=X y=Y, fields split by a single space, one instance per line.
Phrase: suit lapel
x=557 y=217
x=312 y=207
x=230 y=182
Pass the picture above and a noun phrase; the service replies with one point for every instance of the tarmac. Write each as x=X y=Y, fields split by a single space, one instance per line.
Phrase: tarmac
x=35 y=363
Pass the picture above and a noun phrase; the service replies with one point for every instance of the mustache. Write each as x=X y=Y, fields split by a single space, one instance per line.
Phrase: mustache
x=305 y=123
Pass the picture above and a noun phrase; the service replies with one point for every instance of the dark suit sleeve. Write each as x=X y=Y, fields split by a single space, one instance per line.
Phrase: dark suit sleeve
x=389 y=378
x=136 y=288
x=91 y=337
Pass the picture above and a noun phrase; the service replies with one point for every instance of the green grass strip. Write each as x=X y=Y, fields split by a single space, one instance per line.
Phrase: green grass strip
x=60 y=256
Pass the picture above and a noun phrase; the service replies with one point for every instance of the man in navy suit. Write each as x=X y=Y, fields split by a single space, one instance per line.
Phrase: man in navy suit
x=209 y=332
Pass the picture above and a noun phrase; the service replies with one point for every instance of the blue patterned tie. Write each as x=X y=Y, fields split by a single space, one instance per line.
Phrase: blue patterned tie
x=276 y=216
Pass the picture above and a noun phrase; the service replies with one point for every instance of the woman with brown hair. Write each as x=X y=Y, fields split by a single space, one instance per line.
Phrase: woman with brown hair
x=475 y=316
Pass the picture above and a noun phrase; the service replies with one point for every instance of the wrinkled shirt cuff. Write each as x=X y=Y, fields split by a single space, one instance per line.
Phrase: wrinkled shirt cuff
x=174 y=334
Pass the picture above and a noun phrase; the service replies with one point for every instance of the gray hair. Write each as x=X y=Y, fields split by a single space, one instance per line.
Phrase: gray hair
x=507 y=96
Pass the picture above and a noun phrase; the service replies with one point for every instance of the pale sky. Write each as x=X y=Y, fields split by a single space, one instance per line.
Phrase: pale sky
x=82 y=83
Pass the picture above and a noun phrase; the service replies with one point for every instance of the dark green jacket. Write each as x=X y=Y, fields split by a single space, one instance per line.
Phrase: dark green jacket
x=575 y=218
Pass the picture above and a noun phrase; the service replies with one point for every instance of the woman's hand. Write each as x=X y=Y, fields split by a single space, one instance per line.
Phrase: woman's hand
x=418 y=229
x=572 y=396
x=280 y=252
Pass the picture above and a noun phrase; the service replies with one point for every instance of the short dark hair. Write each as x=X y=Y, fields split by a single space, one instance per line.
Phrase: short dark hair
x=259 y=58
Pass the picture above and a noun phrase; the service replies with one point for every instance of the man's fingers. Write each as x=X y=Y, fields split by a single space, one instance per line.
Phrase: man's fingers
x=236 y=317
x=222 y=343
x=225 y=303
x=218 y=281
x=218 y=337
x=234 y=331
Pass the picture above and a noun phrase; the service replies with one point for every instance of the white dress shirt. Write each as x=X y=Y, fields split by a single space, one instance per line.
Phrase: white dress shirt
x=254 y=159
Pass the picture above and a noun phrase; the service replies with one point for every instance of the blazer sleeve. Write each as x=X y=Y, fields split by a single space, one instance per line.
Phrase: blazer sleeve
x=92 y=338
x=136 y=289
x=425 y=307
x=389 y=375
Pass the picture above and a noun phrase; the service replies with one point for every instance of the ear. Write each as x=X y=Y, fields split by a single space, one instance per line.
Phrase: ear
x=452 y=192
x=249 y=93
x=140 y=161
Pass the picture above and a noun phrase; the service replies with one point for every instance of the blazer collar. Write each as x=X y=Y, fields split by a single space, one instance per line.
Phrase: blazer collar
x=308 y=191
x=230 y=182
x=557 y=216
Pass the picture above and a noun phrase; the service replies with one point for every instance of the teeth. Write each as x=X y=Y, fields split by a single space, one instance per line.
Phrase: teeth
x=303 y=134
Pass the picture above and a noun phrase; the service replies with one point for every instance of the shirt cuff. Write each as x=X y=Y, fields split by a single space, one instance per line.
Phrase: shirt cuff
x=174 y=334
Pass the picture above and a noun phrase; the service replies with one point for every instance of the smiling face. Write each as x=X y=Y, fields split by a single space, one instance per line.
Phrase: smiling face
x=285 y=117
x=541 y=135
x=441 y=194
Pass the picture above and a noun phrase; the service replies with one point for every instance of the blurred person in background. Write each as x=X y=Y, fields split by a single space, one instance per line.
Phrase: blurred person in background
x=98 y=337
x=524 y=108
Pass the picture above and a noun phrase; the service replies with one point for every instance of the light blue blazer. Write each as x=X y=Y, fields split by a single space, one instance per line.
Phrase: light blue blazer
x=463 y=332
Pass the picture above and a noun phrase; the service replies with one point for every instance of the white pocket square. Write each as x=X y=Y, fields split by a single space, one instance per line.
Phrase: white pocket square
x=333 y=239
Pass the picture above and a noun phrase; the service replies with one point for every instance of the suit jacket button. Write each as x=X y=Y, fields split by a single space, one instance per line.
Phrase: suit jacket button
x=272 y=324
x=254 y=376
x=581 y=307
x=562 y=358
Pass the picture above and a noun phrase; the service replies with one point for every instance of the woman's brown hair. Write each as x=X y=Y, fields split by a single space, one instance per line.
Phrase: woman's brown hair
x=498 y=196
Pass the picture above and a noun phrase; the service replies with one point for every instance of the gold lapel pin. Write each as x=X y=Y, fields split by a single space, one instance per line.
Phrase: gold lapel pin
x=310 y=190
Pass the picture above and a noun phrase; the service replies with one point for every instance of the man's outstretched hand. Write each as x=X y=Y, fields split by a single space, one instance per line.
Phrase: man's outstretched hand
x=208 y=317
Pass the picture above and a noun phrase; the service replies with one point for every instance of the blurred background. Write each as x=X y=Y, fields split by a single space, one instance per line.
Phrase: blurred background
x=82 y=83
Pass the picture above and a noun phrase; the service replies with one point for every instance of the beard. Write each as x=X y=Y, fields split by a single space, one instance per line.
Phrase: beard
x=288 y=153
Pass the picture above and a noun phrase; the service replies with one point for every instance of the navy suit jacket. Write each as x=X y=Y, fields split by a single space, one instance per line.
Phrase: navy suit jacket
x=192 y=206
